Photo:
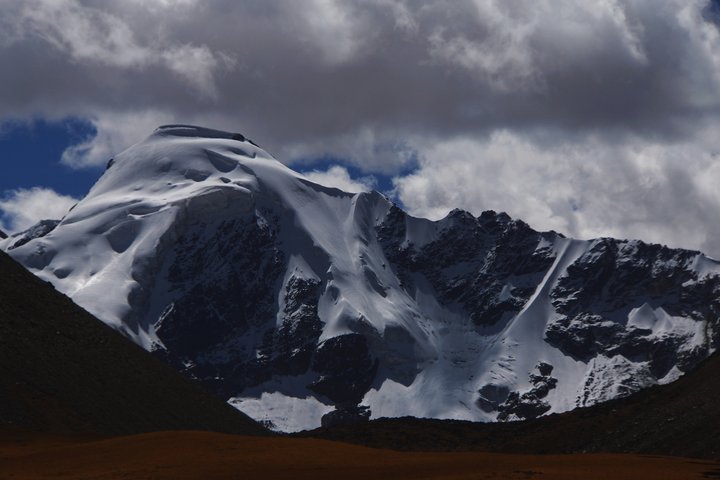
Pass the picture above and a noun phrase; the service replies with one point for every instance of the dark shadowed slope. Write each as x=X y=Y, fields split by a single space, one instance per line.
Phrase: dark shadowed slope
x=3 y=234
x=682 y=418
x=63 y=370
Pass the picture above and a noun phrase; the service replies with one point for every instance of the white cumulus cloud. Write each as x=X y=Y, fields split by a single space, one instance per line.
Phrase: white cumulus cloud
x=23 y=208
x=339 y=177
x=585 y=188
x=113 y=133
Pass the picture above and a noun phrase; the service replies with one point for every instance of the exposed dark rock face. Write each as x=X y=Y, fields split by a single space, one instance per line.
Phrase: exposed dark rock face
x=3 y=235
x=601 y=288
x=530 y=404
x=492 y=396
x=227 y=330
x=346 y=415
x=38 y=230
x=613 y=275
x=223 y=283
x=490 y=265
x=346 y=368
x=289 y=348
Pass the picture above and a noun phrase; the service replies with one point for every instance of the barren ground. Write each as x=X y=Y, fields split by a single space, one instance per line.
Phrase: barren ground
x=202 y=455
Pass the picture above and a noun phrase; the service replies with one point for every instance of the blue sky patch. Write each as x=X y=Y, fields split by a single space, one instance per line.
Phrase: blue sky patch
x=31 y=153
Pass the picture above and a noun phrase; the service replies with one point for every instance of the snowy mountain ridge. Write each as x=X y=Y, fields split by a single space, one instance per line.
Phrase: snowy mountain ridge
x=299 y=302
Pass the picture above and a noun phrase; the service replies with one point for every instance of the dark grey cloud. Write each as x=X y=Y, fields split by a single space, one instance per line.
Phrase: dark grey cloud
x=382 y=82
x=301 y=72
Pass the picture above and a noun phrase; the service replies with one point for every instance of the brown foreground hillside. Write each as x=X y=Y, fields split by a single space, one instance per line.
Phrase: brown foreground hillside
x=62 y=370
x=211 y=456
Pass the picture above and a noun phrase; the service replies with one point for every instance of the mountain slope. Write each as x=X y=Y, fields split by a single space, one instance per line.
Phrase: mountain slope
x=62 y=370
x=679 y=419
x=300 y=302
x=204 y=455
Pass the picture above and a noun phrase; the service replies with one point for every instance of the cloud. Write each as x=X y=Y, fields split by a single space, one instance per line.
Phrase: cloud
x=575 y=108
x=113 y=133
x=510 y=49
x=302 y=74
x=23 y=208
x=585 y=188
x=339 y=177
x=86 y=34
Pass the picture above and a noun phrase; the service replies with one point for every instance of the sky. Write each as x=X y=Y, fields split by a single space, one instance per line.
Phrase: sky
x=589 y=117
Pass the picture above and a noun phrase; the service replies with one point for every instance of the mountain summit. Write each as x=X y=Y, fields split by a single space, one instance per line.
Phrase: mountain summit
x=304 y=304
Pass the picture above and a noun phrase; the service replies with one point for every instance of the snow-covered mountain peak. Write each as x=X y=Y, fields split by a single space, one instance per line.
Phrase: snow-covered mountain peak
x=153 y=192
x=180 y=130
x=301 y=302
x=180 y=160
